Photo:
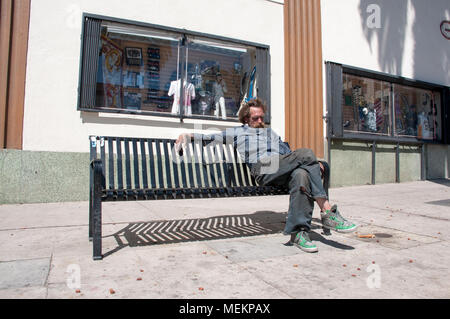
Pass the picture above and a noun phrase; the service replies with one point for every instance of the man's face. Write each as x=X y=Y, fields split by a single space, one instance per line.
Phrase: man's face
x=256 y=119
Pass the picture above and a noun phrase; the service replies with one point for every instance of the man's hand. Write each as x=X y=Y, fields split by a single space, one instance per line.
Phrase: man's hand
x=183 y=139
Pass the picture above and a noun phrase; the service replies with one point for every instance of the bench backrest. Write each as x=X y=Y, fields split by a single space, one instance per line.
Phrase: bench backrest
x=150 y=168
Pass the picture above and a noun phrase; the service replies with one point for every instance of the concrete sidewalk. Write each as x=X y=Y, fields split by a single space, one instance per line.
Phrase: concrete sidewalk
x=231 y=248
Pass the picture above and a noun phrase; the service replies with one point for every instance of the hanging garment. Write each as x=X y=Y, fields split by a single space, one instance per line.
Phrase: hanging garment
x=189 y=94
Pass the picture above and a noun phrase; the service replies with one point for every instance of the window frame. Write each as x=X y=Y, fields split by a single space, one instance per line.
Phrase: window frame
x=184 y=34
x=335 y=72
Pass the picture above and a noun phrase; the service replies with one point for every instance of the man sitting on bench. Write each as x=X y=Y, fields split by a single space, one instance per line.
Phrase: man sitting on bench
x=271 y=162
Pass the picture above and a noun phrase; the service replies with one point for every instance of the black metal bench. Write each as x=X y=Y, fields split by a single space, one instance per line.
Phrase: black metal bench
x=124 y=169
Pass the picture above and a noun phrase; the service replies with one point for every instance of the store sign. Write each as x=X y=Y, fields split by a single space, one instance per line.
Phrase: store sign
x=445 y=29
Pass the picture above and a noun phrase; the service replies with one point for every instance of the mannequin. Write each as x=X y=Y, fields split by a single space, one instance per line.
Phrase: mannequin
x=219 y=88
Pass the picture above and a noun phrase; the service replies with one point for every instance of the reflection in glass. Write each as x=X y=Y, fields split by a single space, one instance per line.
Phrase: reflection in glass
x=415 y=112
x=141 y=69
x=136 y=68
x=366 y=105
x=369 y=106
x=221 y=74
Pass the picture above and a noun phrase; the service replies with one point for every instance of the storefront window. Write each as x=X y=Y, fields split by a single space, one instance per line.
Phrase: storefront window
x=147 y=70
x=416 y=112
x=387 y=107
x=366 y=105
x=136 y=67
x=222 y=75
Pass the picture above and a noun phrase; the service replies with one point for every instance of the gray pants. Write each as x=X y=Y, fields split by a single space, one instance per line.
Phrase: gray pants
x=299 y=169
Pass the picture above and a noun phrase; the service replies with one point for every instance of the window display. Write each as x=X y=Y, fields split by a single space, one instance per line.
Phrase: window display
x=159 y=71
x=138 y=67
x=218 y=71
x=416 y=112
x=391 y=109
x=366 y=105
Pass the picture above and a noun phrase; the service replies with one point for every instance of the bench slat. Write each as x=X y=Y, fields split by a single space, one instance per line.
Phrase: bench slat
x=212 y=166
x=197 y=165
x=136 y=164
x=111 y=163
x=127 y=163
x=188 y=158
x=152 y=163
x=159 y=162
x=144 y=164
x=167 y=163
x=238 y=165
x=182 y=164
x=119 y=164
x=103 y=158
x=173 y=162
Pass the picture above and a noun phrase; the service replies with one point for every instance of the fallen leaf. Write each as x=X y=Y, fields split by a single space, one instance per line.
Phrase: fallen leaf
x=295 y=265
x=142 y=270
x=77 y=291
x=201 y=288
x=344 y=265
x=410 y=261
x=111 y=291
x=353 y=275
x=359 y=269
x=139 y=279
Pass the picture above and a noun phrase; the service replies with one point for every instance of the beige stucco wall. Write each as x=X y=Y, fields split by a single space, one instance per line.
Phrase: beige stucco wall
x=400 y=37
x=51 y=121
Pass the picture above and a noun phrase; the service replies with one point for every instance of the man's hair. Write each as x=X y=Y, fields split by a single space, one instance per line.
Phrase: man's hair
x=244 y=112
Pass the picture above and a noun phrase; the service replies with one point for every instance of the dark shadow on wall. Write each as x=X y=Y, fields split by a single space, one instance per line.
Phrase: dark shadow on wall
x=430 y=48
x=426 y=50
x=390 y=34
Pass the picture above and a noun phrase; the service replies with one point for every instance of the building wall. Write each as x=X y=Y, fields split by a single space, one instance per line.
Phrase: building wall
x=51 y=121
x=400 y=38
x=406 y=42
x=53 y=163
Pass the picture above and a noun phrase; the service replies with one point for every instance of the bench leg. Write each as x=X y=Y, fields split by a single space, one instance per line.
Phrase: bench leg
x=91 y=210
x=326 y=186
x=97 y=229
x=96 y=215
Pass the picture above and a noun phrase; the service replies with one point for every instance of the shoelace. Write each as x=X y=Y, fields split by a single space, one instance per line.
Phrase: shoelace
x=344 y=221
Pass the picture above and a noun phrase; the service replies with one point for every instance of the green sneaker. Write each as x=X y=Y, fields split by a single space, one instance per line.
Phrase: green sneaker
x=303 y=242
x=333 y=220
